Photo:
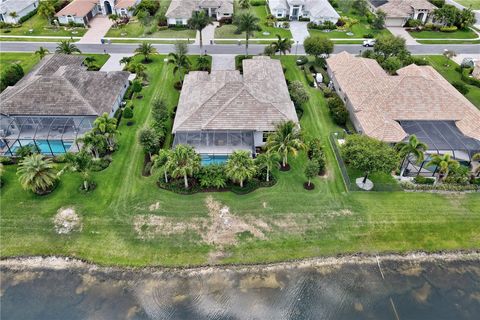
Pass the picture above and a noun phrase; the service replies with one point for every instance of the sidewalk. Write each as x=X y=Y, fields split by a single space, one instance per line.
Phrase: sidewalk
x=99 y=27
x=113 y=63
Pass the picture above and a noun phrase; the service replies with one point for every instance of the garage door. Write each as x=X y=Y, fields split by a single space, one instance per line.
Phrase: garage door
x=394 y=22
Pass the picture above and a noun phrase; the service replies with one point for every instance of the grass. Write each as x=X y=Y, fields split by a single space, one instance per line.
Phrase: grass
x=39 y=39
x=40 y=27
x=467 y=3
x=228 y=31
x=448 y=41
x=325 y=221
x=449 y=73
x=459 y=34
x=116 y=40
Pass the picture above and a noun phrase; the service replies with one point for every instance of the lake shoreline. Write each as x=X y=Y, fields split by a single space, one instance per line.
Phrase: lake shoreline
x=38 y=263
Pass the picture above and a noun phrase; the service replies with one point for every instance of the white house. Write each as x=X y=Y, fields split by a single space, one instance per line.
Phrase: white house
x=180 y=11
x=400 y=11
x=82 y=11
x=317 y=11
x=17 y=8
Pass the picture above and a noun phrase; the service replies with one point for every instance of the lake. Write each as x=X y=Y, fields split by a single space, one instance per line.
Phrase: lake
x=389 y=289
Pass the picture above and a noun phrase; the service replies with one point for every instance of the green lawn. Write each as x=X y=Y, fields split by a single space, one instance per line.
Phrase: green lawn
x=325 y=221
x=449 y=73
x=475 y=4
x=459 y=34
x=449 y=41
x=40 y=27
x=228 y=31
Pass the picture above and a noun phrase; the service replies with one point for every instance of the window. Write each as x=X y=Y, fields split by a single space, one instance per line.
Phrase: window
x=179 y=22
x=279 y=15
x=265 y=136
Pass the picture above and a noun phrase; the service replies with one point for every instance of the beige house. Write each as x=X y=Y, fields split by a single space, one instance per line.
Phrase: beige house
x=180 y=11
x=11 y=11
x=400 y=11
x=317 y=11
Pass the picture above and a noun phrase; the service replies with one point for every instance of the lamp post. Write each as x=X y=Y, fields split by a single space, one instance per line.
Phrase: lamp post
x=296 y=50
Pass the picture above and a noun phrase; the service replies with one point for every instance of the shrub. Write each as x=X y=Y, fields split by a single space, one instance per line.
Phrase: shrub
x=256 y=3
x=461 y=87
x=10 y=75
x=340 y=115
x=302 y=60
x=334 y=102
x=151 y=6
x=315 y=153
x=459 y=175
x=100 y=164
x=423 y=180
x=136 y=86
x=392 y=64
x=239 y=61
x=439 y=187
x=298 y=93
x=27 y=16
x=469 y=79
x=448 y=29
x=6 y=160
x=128 y=113
x=309 y=77
x=212 y=176
x=93 y=67
x=437 y=3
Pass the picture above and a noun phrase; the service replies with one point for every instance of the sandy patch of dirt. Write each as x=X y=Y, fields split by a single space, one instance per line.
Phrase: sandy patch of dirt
x=66 y=221
x=154 y=206
x=414 y=270
x=358 y=306
x=422 y=294
x=148 y=226
x=260 y=281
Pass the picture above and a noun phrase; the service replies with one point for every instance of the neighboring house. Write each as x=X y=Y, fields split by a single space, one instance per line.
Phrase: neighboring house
x=82 y=11
x=317 y=11
x=476 y=70
x=56 y=103
x=416 y=101
x=20 y=8
x=225 y=111
x=180 y=11
x=400 y=11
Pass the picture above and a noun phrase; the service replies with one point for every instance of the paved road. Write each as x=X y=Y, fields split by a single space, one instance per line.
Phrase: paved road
x=227 y=49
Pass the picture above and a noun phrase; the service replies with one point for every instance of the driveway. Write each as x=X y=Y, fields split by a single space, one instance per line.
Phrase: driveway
x=99 y=27
x=299 y=31
x=399 y=31
x=208 y=34
x=113 y=63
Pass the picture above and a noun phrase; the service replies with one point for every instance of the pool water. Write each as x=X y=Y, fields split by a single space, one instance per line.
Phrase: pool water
x=208 y=159
x=46 y=147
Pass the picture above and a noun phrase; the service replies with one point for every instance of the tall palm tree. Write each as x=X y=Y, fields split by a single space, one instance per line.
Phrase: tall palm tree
x=244 y=4
x=282 y=45
x=413 y=147
x=107 y=127
x=67 y=47
x=160 y=161
x=247 y=22
x=199 y=21
x=180 y=63
x=286 y=140
x=240 y=167
x=267 y=160
x=146 y=49
x=46 y=9
x=444 y=164
x=37 y=173
x=42 y=52
x=183 y=161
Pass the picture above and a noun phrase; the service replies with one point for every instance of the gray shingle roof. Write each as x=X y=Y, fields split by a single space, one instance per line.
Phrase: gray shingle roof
x=184 y=8
x=60 y=85
x=15 y=5
x=226 y=100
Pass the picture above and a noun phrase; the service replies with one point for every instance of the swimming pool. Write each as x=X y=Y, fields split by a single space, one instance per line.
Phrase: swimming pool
x=46 y=147
x=208 y=159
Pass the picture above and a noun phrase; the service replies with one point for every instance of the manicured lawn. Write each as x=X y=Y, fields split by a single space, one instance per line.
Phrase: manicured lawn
x=449 y=73
x=475 y=4
x=449 y=41
x=459 y=34
x=325 y=221
x=40 y=27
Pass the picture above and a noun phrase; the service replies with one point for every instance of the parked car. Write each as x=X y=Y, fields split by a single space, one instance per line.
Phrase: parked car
x=369 y=42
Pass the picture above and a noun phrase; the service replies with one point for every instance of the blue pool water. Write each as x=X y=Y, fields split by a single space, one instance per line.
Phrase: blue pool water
x=208 y=159
x=46 y=147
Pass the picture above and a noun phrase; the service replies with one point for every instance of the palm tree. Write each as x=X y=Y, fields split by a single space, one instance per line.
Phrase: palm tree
x=80 y=162
x=240 y=167
x=413 y=147
x=42 y=52
x=244 y=4
x=139 y=70
x=13 y=14
x=46 y=9
x=67 y=47
x=107 y=127
x=183 y=161
x=37 y=173
x=282 y=45
x=444 y=164
x=180 y=63
x=286 y=140
x=146 y=49
x=26 y=150
x=93 y=143
x=160 y=161
x=199 y=21
x=267 y=160
x=125 y=60
x=247 y=22
x=203 y=63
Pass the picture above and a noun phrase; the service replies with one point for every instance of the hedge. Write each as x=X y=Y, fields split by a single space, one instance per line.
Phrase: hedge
x=439 y=187
x=27 y=16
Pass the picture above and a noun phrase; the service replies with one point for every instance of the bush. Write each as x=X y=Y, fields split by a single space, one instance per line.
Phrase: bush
x=212 y=176
x=136 y=86
x=298 y=93
x=128 y=113
x=93 y=67
x=448 y=29
x=340 y=115
x=439 y=187
x=392 y=64
x=100 y=164
x=458 y=175
x=27 y=16
x=309 y=77
x=423 y=180
x=461 y=87
x=315 y=153
x=437 y=3
x=302 y=60
x=256 y=3
x=150 y=6
x=10 y=75
x=469 y=79
x=6 y=160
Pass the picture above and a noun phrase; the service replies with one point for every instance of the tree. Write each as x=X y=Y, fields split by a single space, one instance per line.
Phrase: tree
x=183 y=161
x=26 y=150
x=93 y=143
x=81 y=163
x=282 y=45
x=467 y=19
x=244 y=4
x=247 y=22
x=149 y=140
x=369 y=155
x=89 y=61
x=46 y=9
x=42 y=52
x=181 y=48
x=318 y=45
x=37 y=173
x=160 y=114
x=444 y=164
x=139 y=69
x=269 y=50
x=378 y=21
x=10 y=75
x=181 y=63
x=125 y=60
x=240 y=167
x=311 y=171
x=146 y=49
x=413 y=148
x=199 y=21
x=13 y=14
x=114 y=18
x=212 y=176
x=128 y=112
x=390 y=45
x=136 y=86
x=67 y=47
x=361 y=6
x=160 y=161
x=203 y=63
x=298 y=93
x=286 y=140
x=392 y=64
x=267 y=161
x=107 y=128
x=450 y=16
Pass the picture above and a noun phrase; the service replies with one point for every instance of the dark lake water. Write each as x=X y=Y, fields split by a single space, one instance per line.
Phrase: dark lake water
x=407 y=290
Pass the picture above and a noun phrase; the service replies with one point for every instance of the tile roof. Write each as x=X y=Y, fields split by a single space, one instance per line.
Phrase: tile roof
x=416 y=93
x=184 y=8
x=404 y=8
x=125 y=4
x=60 y=85
x=226 y=100
x=78 y=8
x=15 y=5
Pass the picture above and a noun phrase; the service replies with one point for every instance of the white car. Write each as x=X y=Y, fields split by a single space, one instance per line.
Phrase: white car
x=369 y=42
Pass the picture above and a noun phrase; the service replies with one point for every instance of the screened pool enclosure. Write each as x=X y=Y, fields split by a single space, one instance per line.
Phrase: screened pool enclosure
x=51 y=135
x=216 y=142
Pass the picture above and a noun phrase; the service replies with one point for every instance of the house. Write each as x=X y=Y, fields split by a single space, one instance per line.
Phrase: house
x=417 y=101
x=82 y=11
x=317 y=11
x=225 y=111
x=56 y=103
x=17 y=8
x=476 y=70
x=400 y=11
x=180 y=11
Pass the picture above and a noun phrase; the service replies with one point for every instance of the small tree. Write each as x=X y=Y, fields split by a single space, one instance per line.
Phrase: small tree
x=146 y=49
x=42 y=52
x=298 y=93
x=389 y=45
x=136 y=86
x=13 y=14
x=444 y=164
x=240 y=167
x=160 y=161
x=183 y=161
x=10 y=75
x=318 y=45
x=379 y=20
x=311 y=171
x=128 y=112
x=286 y=140
x=81 y=163
x=37 y=173
x=247 y=22
x=269 y=51
x=267 y=161
x=67 y=47
x=392 y=64
x=361 y=6
x=282 y=45
x=244 y=4
x=199 y=21
x=26 y=151
x=181 y=63
x=46 y=9
x=413 y=148
x=203 y=63
x=148 y=138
